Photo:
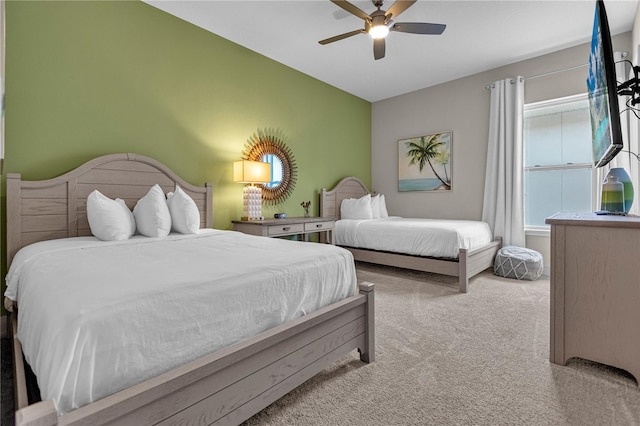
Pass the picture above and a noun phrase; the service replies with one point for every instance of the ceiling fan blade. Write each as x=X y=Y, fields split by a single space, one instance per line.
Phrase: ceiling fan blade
x=398 y=7
x=351 y=9
x=378 y=48
x=341 y=36
x=418 y=28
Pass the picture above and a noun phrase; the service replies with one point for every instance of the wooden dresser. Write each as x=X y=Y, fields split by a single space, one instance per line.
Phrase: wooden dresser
x=595 y=289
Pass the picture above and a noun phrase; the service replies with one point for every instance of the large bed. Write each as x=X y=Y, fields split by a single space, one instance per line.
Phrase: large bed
x=464 y=257
x=256 y=355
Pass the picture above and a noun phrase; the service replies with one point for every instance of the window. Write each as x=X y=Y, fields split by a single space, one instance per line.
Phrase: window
x=558 y=171
x=276 y=170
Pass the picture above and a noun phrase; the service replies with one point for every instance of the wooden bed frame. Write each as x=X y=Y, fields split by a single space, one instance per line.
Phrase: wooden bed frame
x=468 y=264
x=227 y=386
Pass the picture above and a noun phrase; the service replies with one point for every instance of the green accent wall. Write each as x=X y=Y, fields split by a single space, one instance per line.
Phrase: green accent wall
x=87 y=78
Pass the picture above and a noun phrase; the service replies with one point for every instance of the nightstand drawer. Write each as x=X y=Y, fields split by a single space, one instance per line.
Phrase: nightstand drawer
x=284 y=229
x=318 y=226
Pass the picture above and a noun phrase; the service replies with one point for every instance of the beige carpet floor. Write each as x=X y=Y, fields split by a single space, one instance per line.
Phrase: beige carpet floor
x=446 y=358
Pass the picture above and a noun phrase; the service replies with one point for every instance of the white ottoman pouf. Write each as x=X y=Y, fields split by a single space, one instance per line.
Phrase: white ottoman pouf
x=518 y=262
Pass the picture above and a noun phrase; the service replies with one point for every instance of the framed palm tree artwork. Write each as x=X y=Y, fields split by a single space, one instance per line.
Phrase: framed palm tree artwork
x=424 y=163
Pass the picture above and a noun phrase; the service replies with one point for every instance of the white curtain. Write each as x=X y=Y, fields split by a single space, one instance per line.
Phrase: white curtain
x=630 y=140
x=503 y=207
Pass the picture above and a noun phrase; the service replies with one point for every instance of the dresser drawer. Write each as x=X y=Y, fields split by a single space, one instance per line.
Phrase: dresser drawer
x=284 y=229
x=318 y=226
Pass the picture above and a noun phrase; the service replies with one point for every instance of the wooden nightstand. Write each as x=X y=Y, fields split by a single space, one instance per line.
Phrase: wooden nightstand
x=289 y=226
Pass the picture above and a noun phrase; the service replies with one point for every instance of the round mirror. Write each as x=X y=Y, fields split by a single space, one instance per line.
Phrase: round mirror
x=268 y=146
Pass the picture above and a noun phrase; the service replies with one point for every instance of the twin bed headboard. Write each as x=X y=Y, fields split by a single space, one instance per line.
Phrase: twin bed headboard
x=330 y=201
x=57 y=207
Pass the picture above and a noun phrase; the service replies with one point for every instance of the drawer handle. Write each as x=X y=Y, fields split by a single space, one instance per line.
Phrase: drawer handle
x=286 y=228
x=319 y=226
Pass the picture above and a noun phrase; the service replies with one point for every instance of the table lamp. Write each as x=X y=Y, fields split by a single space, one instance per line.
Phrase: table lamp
x=251 y=173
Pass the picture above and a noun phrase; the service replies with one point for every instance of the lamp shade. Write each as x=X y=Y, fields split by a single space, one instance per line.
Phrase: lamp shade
x=246 y=171
x=379 y=27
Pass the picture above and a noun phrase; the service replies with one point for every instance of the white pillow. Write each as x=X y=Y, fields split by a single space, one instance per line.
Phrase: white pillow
x=185 y=217
x=152 y=214
x=375 y=206
x=109 y=220
x=360 y=208
x=383 y=207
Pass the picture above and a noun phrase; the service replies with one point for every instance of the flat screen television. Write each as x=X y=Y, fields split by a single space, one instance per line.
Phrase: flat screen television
x=603 y=92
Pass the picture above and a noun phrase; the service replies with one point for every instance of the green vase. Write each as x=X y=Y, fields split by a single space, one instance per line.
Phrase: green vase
x=612 y=195
x=624 y=178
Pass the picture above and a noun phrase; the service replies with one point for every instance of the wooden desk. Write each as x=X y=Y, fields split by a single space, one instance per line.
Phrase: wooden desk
x=304 y=226
x=595 y=289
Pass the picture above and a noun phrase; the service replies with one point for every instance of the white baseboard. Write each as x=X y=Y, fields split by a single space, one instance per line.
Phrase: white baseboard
x=3 y=327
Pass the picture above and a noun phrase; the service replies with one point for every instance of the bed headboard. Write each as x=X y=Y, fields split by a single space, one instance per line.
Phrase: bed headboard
x=57 y=207
x=330 y=201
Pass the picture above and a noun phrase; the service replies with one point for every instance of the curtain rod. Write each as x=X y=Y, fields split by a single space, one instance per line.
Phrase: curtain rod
x=488 y=86
x=622 y=54
x=544 y=74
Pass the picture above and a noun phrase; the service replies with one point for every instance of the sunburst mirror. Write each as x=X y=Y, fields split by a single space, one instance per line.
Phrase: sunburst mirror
x=268 y=145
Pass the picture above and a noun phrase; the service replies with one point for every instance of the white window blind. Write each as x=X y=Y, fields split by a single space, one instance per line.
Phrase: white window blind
x=558 y=171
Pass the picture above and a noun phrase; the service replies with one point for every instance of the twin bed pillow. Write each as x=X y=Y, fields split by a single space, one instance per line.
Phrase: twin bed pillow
x=185 y=217
x=356 y=208
x=366 y=207
x=379 y=207
x=109 y=220
x=153 y=215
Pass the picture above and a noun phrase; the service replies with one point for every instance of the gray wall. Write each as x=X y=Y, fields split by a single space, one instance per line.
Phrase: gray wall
x=462 y=106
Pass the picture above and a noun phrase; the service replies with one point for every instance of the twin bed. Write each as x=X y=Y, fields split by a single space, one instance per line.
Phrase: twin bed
x=182 y=329
x=459 y=248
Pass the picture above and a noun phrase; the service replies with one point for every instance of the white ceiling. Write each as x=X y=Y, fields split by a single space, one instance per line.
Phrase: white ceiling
x=480 y=35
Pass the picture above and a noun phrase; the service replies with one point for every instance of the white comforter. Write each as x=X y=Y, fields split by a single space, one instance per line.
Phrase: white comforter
x=421 y=237
x=96 y=317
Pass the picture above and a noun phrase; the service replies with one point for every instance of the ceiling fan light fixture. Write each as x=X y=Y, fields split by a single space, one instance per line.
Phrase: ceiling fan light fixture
x=379 y=27
x=379 y=23
x=379 y=31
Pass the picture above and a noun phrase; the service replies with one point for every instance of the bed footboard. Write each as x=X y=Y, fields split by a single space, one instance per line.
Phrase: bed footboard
x=468 y=264
x=473 y=262
x=231 y=385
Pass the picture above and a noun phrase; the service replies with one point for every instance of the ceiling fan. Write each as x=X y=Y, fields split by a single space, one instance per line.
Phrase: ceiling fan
x=380 y=23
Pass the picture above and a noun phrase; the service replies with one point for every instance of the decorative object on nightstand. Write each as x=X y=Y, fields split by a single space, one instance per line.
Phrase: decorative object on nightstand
x=251 y=172
x=305 y=205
